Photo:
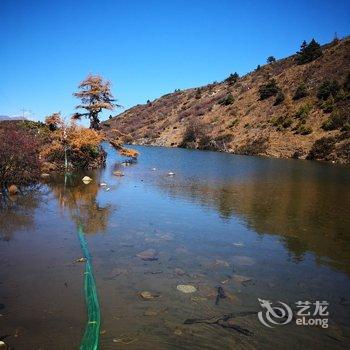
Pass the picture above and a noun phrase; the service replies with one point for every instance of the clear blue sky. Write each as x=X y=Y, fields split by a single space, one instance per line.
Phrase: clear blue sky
x=146 y=48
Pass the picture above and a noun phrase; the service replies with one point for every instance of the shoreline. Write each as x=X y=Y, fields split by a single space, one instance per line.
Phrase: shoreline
x=318 y=161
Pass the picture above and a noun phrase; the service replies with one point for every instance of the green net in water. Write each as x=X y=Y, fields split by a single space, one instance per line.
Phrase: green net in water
x=91 y=336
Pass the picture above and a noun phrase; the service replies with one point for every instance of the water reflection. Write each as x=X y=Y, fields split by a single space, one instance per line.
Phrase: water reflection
x=306 y=204
x=17 y=213
x=80 y=201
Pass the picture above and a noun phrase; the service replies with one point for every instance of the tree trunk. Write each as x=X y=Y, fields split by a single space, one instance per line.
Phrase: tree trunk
x=94 y=122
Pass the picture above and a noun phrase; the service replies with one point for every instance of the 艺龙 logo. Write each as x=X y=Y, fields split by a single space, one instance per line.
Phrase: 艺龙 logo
x=308 y=313
x=274 y=315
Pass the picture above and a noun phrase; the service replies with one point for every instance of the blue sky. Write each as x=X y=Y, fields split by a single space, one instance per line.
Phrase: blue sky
x=145 y=48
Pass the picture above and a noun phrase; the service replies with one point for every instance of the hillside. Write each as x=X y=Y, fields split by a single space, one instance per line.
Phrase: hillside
x=293 y=107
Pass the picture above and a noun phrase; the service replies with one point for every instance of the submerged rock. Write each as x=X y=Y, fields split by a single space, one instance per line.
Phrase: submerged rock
x=125 y=339
x=145 y=295
x=179 y=272
x=243 y=260
x=240 y=278
x=117 y=272
x=178 y=331
x=148 y=255
x=13 y=189
x=186 y=288
x=3 y=346
x=198 y=299
x=155 y=272
x=221 y=263
x=118 y=173
x=150 y=312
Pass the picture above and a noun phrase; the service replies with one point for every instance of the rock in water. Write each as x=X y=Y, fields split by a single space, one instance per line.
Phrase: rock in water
x=220 y=263
x=177 y=331
x=240 y=278
x=148 y=295
x=13 y=189
x=125 y=339
x=243 y=260
x=118 y=173
x=179 y=272
x=186 y=288
x=150 y=312
x=148 y=255
x=86 y=179
x=3 y=346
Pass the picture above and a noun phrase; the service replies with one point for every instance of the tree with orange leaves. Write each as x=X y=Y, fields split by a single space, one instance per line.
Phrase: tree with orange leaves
x=53 y=121
x=95 y=95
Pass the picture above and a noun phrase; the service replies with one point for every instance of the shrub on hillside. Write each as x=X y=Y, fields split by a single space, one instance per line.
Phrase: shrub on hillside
x=19 y=157
x=233 y=123
x=300 y=92
x=347 y=82
x=303 y=112
x=327 y=89
x=232 y=79
x=271 y=59
x=269 y=89
x=330 y=148
x=302 y=129
x=254 y=146
x=309 y=52
x=328 y=105
x=282 y=122
x=279 y=98
x=198 y=94
x=195 y=136
x=190 y=134
x=322 y=148
x=226 y=100
x=339 y=119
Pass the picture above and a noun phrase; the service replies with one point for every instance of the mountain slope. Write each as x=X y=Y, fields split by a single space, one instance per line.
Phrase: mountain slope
x=302 y=118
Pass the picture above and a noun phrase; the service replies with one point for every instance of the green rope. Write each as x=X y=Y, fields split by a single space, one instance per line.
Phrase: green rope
x=91 y=336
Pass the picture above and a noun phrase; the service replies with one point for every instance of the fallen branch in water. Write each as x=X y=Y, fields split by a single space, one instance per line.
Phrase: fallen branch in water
x=125 y=152
x=225 y=321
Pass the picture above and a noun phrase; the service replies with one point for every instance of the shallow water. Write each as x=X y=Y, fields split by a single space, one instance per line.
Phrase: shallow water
x=272 y=229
